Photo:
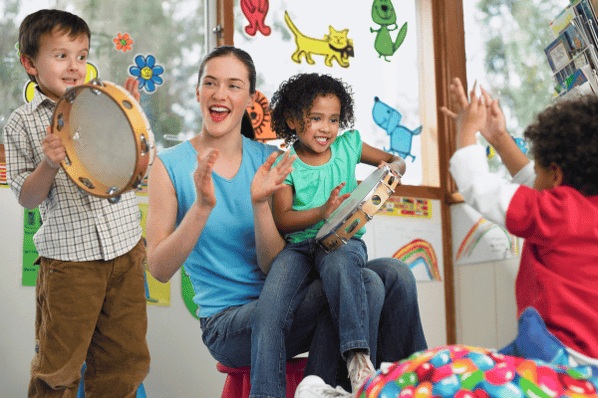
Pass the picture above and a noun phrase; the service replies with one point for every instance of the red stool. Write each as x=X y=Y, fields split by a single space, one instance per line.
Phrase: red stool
x=237 y=383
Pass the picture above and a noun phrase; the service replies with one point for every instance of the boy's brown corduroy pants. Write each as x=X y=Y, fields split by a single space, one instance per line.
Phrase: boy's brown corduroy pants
x=93 y=312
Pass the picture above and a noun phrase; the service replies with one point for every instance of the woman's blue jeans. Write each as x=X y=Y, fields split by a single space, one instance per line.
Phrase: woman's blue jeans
x=341 y=272
x=353 y=312
x=227 y=334
x=400 y=332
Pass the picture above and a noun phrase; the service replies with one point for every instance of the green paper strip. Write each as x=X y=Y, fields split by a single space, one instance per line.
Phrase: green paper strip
x=32 y=221
x=188 y=293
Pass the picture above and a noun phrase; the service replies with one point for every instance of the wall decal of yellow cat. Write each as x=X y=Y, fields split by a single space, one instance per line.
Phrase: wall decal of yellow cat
x=335 y=45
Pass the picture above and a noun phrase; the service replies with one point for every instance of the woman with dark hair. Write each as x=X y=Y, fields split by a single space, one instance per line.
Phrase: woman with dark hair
x=209 y=209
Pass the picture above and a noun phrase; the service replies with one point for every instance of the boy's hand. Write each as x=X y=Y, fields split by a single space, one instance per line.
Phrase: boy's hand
x=132 y=86
x=495 y=128
x=53 y=149
x=470 y=116
x=268 y=179
x=334 y=201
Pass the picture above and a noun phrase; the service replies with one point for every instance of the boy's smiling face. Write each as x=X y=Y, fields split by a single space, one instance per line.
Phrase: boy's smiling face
x=60 y=63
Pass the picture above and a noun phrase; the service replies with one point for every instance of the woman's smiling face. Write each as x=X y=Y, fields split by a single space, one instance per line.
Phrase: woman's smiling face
x=223 y=95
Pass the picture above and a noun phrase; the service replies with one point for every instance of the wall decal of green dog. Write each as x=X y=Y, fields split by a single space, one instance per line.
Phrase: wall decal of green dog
x=383 y=14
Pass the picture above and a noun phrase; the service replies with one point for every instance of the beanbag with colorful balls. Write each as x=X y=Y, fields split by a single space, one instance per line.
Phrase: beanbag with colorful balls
x=471 y=372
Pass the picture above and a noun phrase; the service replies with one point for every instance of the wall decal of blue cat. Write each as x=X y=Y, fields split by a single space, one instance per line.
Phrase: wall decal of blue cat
x=400 y=136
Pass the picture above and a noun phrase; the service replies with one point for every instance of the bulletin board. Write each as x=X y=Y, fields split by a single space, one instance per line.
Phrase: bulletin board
x=409 y=229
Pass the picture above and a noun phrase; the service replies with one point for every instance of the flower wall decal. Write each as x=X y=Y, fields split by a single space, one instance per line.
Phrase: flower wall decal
x=147 y=72
x=123 y=42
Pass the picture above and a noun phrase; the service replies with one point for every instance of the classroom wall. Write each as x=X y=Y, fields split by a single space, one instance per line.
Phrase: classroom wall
x=181 y=365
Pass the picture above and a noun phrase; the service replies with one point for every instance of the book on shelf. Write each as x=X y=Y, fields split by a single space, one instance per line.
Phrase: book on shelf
x=582 y=82
x=562 y=20
x=585 y=14
x=572 y=55
x=576 y=42
x=558 y=53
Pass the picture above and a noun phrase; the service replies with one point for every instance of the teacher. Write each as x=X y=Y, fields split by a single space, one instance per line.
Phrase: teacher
x=209 y=211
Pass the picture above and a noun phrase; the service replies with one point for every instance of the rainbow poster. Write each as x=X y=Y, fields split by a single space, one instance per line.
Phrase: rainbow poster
x=477 y=240
x=477 y=233
x=419 y=255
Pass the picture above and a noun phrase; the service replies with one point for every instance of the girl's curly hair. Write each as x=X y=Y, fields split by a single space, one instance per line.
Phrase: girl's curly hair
x=296 y=96
x=566 y=134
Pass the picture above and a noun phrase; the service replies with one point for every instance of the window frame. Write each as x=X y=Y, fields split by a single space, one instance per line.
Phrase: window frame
x=443 y=55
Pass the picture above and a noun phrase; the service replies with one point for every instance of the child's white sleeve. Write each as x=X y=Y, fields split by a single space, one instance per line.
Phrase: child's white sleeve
x=487 y=193
x=526 y=176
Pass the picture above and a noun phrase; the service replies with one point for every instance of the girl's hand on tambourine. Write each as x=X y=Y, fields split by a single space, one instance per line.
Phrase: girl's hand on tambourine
x=204 y=185
x=334 y=201
x=397 y=167
x=54 y=150
x=269 y=179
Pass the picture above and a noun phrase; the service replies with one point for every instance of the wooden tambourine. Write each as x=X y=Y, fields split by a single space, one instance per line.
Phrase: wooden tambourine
x=108 y=139
x=359 y=208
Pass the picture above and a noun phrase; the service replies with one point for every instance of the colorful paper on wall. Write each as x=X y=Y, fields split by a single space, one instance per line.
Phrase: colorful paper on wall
x=32 y=221
x=419 y=255
x=401 y=137
x=383 y=14
x=188 y=293
x=477 y=240
x=142 y=188
x=412 y=234
x=147 y=72
x=260 y=116
x=3 y=175
x=157 y=293
x=406 y=207
x=2 y=167
x=255 y=11
x=335 y=46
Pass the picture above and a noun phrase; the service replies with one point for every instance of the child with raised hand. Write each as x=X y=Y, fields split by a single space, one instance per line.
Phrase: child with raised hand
x=556 y=294
x=307 y=111
x=91 y=305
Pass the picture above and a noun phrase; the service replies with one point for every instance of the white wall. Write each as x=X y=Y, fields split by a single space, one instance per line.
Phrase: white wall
x=181 y=365
x=486 y=311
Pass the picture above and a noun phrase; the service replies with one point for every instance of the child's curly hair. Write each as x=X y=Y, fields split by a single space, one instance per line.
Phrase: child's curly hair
x=566 y=134
x=297 y=95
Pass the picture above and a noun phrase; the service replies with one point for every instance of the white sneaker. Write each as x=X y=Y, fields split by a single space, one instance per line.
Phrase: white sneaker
x=360 y=368
x=314 y=387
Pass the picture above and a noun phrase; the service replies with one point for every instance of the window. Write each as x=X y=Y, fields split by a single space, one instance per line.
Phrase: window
x=505 y=42
x=171 y=31
x=401 y=81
